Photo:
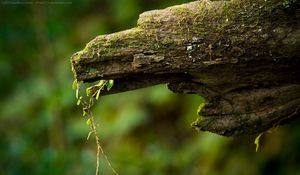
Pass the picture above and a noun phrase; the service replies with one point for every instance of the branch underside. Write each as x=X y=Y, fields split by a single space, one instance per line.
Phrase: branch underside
x=242 y=56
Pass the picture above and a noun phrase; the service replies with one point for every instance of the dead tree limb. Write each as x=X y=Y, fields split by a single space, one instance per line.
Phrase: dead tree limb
x=241 y=55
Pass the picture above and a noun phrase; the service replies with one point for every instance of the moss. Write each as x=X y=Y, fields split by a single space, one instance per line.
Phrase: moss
x=289 y=3
x=110 y=44
x=191 y=22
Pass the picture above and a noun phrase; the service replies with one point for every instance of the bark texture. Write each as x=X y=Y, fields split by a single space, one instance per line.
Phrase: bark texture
x=243 y=56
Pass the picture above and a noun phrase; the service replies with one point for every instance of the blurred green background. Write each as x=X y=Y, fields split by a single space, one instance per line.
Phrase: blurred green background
x=143 y=132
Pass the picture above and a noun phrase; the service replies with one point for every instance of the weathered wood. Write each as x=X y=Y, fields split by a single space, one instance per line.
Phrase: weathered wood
x=242 y=56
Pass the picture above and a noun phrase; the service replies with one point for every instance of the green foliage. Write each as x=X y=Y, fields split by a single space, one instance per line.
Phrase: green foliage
x=88 y=121
x=201 y=106
x=289 y=3
x=110 y=84
x=256 y=142
x=93 y=92
x=144 y=132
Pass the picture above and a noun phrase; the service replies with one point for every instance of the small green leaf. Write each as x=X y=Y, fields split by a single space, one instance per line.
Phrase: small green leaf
x=88 y=137
x=200 y=107
x=110 y=84
x=91 y=102
x=256 y=142
x=102 y=83
x=75 y=84
x=79 y=100
x=88 y=91
x=84 y=113
x=89 y=121
x=97 y=95
x=77 y=93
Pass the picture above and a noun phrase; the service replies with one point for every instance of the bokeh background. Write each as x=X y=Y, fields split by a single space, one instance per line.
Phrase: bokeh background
x=147 y=131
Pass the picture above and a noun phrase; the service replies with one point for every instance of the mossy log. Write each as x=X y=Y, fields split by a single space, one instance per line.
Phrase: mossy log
x=242 y=56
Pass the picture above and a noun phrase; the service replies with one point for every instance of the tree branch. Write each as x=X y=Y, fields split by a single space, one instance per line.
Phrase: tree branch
x=242 y=56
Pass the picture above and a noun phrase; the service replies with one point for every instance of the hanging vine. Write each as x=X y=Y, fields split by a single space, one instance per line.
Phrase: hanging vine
x=87 y=102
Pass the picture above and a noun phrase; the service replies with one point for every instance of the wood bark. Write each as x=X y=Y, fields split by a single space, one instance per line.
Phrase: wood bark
x=242 y=56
